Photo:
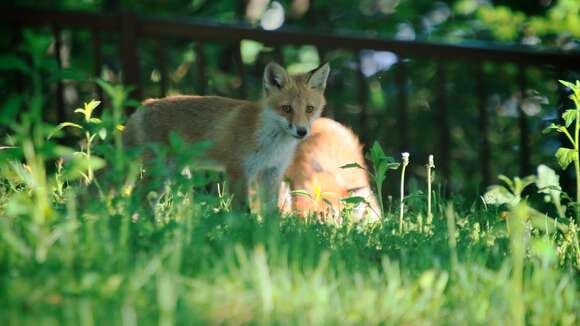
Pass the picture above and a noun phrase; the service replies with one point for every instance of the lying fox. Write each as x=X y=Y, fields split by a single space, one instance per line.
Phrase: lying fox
x=249 y=140
x=316 y=169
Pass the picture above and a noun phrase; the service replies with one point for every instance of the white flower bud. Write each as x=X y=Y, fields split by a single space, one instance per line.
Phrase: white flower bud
x=405 y=156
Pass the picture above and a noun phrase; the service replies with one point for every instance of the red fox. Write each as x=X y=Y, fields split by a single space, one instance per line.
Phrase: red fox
x=316 y=170
x=248 y=139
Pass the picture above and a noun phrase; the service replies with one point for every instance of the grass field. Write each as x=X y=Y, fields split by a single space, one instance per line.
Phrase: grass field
x=188 y=261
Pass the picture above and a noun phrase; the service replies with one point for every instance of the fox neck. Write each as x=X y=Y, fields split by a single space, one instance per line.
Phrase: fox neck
x=275 y=147
x=271 y=129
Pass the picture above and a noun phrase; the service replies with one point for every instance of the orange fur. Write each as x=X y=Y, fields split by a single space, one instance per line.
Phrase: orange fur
x=317 y=164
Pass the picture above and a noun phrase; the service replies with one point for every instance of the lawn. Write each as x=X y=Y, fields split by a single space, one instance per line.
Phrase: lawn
x=189 y=260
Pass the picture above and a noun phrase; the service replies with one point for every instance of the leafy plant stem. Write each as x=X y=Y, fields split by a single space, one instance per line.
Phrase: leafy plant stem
x=88 y=154
x=430 y=165
x=402 y=208
x=577 y=162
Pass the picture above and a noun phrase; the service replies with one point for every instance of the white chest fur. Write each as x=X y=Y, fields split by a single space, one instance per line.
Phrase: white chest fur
x=276 y=147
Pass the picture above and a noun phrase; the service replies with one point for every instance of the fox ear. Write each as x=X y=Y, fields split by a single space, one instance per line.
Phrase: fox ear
x=317 y=77
x=274 y=76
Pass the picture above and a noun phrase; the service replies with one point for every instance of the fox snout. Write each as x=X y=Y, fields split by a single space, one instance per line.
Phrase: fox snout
x=302 y=132
x=298 y=131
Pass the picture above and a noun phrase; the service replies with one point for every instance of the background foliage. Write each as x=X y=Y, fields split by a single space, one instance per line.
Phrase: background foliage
x=542 y=24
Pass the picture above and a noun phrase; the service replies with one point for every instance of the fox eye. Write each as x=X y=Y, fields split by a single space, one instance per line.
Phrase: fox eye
x=286 y=108
x=309 y=109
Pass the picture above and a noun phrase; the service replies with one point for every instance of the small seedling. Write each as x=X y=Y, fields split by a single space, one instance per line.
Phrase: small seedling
x=510 y=196
x=567 y=155
x=92 y=163
x=381 y=163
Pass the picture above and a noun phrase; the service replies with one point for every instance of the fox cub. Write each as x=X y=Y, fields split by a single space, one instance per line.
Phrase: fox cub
x=317 y=169
x=249 y=140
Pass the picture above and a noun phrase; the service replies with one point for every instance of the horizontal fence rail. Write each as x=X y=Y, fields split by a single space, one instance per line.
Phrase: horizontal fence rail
x=187 y=28
x=133 y=27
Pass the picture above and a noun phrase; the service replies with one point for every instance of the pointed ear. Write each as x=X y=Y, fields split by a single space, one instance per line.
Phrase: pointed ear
x=317 y=77
x=275 y=77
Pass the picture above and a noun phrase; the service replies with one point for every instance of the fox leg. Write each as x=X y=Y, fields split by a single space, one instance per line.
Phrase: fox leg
x=238 y=184
x=269 y=187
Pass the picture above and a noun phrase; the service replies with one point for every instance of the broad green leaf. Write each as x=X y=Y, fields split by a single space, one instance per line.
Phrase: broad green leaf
x=103 y=134
x=567 y=84
x=565 y=156
x=327 y=202
x=548 y=181
x=522 y=183
x=506 y=180
x=11 y=62
x=352 y=165
x=108 y=88
x=78 y=166
x=64 y=125
x=555 y=127
x=300 y=192
x=354 y=200
x=89 y=108
x=498 y=195
x=10 y=109
x=569 y=116
x=376 y=152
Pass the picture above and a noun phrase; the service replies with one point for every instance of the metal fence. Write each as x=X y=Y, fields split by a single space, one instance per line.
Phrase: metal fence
x=133 y=28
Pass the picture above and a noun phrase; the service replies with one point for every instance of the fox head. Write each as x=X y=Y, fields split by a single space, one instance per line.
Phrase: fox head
x=294 y=102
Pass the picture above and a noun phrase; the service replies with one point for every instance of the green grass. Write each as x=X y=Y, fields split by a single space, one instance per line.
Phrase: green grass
x=189 y=261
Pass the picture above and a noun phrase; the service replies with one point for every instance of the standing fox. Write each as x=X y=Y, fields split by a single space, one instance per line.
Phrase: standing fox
x=248 y=139
x=317 y=169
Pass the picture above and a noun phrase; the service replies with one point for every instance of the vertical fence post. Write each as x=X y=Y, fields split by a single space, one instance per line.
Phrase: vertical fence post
x=97 y=59
x=484 y=148
x=362 y=94
x=162 y=63
x=279 y=55
x=16 y=42
x=201 y=68
x=523 y=124
x=329 y=111
x=239 y=63
x=56 y=32
x=402 y=105
x=129 y=53
x=442 y=123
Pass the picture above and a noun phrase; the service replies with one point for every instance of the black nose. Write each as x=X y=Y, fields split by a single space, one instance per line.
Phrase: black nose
x=301 y=132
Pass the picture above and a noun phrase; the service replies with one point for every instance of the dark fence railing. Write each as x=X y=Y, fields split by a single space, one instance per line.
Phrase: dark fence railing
x=133 y=27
